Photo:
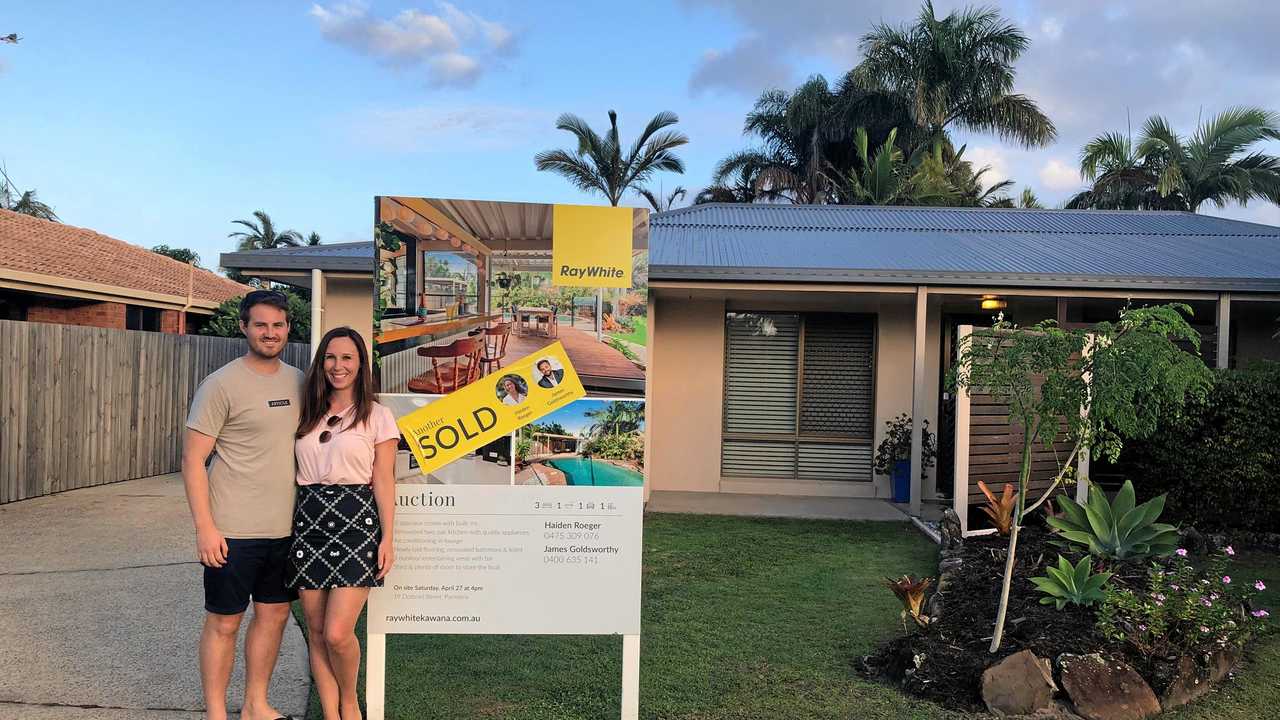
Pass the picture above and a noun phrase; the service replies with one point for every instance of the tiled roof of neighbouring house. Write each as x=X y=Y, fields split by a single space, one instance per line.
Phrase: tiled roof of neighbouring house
x=78 y=255
x=963 y=246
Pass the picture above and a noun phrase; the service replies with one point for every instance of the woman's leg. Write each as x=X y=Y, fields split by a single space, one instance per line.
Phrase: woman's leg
x=341 y=613
x=314 y=604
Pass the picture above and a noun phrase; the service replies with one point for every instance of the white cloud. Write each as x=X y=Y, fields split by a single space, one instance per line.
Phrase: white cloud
x=451 y=44
x=992 y=157
x=1051 y=28
x=1059 y=176
x=431 y=128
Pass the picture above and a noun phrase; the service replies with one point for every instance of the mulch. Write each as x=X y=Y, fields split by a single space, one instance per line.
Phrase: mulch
x=945 y=663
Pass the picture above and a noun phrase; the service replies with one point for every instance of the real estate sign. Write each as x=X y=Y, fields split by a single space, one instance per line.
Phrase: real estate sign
x=591 y=246
x=475 y=559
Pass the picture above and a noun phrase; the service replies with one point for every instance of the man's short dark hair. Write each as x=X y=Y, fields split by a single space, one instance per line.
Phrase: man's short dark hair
x=263 y=297
x=540 y=362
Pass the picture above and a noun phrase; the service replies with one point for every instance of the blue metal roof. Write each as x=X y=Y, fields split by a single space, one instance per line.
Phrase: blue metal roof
x=349 y=257
x=964 y=246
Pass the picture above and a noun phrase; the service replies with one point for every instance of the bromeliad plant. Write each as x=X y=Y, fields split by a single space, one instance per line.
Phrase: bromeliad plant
x=911 y=593
x=1088 y=387
x=1075 y=584
x=1001 y=509
x=1117 y=530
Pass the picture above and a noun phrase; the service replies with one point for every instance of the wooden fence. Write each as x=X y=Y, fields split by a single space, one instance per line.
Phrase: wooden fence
x=86 y=406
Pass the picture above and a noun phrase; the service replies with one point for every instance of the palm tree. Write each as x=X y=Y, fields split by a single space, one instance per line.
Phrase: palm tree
x=1169 y=172
x=957 y=70
x=23 y=203
x=314 y=238
x=619 y=416
x=262 y=235
x=658 y=202
x=599 y=165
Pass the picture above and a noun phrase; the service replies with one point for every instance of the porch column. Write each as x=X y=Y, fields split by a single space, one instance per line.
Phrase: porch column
x=917 y=398
x=317 y=308
x=1224 y=330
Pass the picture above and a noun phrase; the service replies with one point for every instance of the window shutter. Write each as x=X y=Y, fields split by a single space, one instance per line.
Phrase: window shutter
x=760 y=373
x=838 y=383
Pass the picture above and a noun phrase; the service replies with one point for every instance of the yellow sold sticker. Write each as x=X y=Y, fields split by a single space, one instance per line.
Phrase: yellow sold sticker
x=491 y=407
x=591 y=246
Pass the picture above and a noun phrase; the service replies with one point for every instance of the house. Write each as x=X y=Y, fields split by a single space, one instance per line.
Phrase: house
x=56 y=273
x=784 y=337
x=339 y=276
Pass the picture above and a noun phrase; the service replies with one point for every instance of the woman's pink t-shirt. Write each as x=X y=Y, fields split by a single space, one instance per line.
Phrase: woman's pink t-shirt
x=347 y=459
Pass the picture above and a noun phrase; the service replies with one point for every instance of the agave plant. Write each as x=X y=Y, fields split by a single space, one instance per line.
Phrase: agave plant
x=1071 y=584
x=1118 y=530
x=911 y=593
x=1000 y=510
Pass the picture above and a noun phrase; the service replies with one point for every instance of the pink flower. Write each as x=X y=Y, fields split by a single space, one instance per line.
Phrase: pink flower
x=1175 y=587
x=1205 y=602
x=1259 y=586
x=1204 y=629
x=1159 y=597
x=1213 y=596
x=1260 y=613
x=1226 y=579
x=1230 y=550
x=1142 y=628
x=1182 y=552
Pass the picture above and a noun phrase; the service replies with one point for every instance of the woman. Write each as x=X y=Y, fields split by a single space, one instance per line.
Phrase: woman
x=512 y=394
x=346 y=449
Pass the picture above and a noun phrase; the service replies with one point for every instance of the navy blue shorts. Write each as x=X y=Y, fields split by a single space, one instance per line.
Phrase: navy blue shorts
x=255 y=570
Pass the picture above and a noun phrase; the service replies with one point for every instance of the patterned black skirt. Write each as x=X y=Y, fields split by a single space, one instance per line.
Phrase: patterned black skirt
x=335 y=538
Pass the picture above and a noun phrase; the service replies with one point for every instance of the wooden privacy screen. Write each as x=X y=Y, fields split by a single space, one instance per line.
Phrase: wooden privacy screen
x=84 y=406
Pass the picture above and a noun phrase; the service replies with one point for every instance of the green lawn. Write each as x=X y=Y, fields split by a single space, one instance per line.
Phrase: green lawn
x=639 y=335
x=742 y=618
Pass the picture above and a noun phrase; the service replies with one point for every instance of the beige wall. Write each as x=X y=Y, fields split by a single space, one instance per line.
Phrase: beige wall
x=349 y=301
x=687 y=382
x=684 y=413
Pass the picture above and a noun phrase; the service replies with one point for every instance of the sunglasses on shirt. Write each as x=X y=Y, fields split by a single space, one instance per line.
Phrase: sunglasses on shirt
x=327 y=435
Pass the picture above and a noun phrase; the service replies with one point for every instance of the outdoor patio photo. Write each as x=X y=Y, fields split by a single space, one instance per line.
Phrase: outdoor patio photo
x=464 y=288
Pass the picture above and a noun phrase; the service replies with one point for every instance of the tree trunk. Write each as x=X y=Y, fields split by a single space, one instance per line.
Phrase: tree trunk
x=1024 y=477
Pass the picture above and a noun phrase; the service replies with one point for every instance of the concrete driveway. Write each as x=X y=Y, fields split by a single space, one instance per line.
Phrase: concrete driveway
x=101 y=605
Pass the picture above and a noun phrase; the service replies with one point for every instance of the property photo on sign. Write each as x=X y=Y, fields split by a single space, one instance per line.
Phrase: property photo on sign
x=466 y=286
x=588 y=442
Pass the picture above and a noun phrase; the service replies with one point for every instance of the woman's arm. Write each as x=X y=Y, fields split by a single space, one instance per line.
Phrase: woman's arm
x=384 y=495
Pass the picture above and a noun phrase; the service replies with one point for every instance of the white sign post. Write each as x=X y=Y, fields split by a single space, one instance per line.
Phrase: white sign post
x=472 y=559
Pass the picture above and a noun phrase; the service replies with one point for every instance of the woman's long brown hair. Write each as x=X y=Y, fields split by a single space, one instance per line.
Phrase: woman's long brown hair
x=316 y=388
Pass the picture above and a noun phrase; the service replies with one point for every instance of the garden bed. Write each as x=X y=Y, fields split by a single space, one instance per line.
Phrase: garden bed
x=945 y=662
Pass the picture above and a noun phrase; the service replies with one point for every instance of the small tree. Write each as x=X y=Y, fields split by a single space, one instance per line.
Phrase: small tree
x=1094 y=386
x=225 y=321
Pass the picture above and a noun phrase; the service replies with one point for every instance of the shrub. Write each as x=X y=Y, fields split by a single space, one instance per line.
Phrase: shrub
x=1075 y=584
x=1117 y=530
x=1183 y=610
x=1218 y=461
x=896 y=445
x=615 y=446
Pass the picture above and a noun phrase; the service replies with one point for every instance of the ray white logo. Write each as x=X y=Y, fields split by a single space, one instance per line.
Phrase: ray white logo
x=591 y=271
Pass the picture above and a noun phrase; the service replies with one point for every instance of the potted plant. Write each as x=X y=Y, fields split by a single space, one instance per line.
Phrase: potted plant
x=893 y=455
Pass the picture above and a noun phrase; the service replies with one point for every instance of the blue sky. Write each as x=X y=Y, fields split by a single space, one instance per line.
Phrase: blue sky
x=573 y=416
x=160 y=122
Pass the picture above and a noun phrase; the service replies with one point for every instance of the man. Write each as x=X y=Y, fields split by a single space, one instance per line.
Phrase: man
x=243 y=506
x=550 y=378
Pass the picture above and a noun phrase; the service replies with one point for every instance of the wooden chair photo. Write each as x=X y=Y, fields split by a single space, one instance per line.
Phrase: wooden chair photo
x=495 y=346
x=452 y=366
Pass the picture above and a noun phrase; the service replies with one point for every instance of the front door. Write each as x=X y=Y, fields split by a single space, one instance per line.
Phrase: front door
x=944 y=477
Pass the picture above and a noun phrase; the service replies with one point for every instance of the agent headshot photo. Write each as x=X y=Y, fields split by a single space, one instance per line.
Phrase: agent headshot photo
x=512 y=389
x=548 y=372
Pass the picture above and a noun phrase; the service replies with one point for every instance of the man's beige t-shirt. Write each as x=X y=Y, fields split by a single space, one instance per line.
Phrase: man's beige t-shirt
x=252 y=419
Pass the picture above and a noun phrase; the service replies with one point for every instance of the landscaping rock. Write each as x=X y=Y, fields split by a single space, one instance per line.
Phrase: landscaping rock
x=1190 y=682
x=1221 y=663
x=1020 y=684
x=1103 y=688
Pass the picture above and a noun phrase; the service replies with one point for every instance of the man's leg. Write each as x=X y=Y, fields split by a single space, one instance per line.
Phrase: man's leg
x=217 y=658
x=261 y=648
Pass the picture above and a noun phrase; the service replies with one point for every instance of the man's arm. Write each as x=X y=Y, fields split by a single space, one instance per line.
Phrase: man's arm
x=211 y=547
